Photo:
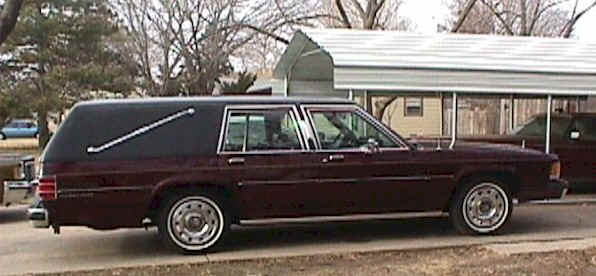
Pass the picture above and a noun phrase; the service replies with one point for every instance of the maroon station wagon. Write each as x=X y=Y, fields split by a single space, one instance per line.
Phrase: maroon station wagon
x=195 y=166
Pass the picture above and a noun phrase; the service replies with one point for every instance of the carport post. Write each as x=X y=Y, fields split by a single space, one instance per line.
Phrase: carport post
x=548 y=122
x=453 y=121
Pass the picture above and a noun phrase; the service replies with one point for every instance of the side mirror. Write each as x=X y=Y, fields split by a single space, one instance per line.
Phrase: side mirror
x=371 y=146
x=574 y=135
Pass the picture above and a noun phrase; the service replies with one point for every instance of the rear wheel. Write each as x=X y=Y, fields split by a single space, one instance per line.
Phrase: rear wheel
x=2 y=136
x=193 y=223
x=482 y=206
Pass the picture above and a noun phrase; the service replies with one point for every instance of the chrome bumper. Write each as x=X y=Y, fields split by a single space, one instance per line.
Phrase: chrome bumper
x=559 y=187
x=15 y=191
x=38 y=216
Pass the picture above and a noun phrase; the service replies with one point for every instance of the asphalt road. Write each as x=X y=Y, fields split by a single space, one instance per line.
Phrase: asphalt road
x=27 y=250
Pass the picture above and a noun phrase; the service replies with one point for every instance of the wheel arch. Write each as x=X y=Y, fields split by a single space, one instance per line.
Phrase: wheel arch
x=505 y=175
x=174 y=187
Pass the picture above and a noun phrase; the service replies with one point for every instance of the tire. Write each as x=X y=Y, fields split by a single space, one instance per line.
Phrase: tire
x=193 y=223
x=482 y=206
x=2 y=136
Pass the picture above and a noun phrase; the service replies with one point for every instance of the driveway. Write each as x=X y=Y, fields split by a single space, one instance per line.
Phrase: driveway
x=27 y=250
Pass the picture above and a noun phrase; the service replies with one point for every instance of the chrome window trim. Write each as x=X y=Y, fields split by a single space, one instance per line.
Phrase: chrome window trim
x=306 y=109
x=141 y=130
x=256 y=108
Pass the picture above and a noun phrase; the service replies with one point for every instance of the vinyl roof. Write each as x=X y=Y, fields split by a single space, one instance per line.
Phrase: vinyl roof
x=218 y=99
x=353 y=52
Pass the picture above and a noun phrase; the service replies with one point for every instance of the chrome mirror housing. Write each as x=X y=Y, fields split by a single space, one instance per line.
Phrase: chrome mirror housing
x=371 y=146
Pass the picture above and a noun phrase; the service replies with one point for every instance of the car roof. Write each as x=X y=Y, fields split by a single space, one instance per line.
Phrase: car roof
x=568 y=115
x=223 y=100
x=21 y=121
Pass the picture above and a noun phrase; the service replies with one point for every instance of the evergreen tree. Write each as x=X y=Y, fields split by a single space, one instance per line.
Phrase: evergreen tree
x=63 y=51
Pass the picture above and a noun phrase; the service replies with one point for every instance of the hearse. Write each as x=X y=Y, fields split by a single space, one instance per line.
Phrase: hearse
x=194 y=166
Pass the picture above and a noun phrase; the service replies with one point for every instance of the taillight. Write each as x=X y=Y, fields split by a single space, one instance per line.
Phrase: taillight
x=47 y=188
x=555 y=170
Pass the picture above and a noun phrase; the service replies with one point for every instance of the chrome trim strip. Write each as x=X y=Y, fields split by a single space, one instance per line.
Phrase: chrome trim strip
x=339 y=180
x=276 y=182
x=399 y=178
x=356 y=217
x=106 y=189
x=141 y=130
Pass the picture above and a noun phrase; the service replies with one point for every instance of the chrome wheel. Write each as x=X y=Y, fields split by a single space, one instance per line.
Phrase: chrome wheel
x=485 y=207
x=195 y=223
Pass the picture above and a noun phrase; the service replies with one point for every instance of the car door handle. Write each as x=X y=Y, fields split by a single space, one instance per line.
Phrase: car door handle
x=236 y=161
x=334 y=158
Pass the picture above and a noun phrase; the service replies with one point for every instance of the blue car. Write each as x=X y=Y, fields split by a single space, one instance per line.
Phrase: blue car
x=19 y=128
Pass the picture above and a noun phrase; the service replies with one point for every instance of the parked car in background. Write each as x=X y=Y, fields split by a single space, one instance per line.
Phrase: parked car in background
x=20 y=128
x=195 y=166
x=573 y=139
x=17 y=175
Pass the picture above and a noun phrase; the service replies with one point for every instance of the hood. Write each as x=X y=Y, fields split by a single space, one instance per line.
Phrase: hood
x=488 y=150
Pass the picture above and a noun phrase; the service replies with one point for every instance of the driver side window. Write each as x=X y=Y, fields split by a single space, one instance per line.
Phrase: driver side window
x=340 y=129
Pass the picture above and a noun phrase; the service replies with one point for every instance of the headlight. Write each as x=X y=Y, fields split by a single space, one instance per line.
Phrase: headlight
x=555 y=170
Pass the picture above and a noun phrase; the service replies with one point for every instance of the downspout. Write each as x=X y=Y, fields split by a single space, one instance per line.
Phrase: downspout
x=453 y=121
x=548 y=123
x=512 y=113
x=441 y=115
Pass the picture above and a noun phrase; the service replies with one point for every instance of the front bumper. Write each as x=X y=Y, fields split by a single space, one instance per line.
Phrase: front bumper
x=558 y=188
x=16 y=191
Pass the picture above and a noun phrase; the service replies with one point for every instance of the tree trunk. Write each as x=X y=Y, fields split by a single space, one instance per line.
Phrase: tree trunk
x=42 y=125
x=8 y=18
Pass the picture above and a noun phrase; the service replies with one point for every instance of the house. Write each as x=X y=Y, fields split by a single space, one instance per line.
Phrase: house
x=411 y=77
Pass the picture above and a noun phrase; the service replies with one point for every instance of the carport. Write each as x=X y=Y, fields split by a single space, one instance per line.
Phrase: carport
x=342 y=62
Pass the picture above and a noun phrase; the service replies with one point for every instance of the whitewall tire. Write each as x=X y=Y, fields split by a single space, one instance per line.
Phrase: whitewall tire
x=482 y=206
x=193 y=223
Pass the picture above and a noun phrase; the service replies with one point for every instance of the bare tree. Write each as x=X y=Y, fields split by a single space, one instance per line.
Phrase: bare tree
x=519 y=17
x=8 y=17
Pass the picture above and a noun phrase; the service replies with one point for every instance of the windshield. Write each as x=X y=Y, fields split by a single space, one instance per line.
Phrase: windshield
x=536 y=127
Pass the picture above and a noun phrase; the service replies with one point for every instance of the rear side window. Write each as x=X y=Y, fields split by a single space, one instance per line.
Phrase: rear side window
x=261 y=130
x=537 y=127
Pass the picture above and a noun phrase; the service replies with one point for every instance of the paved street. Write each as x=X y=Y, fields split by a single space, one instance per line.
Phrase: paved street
x=24 y=249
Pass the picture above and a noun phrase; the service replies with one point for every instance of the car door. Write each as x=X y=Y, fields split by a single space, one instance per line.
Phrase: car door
x=262 y=150
x=11 y=129
x=371 y=169
x=30 y=129
x=581 y=150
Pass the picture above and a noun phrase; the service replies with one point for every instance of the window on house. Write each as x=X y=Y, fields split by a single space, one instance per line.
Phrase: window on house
x=413 y=106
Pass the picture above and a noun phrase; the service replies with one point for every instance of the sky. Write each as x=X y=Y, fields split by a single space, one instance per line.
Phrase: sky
x=426 y=14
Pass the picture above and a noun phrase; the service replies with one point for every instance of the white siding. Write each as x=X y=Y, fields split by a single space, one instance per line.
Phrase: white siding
x=429 y=124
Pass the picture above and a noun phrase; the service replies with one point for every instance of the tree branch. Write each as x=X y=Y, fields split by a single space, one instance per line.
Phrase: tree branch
x=463 y=16
x=568 y=28
x=344 y=15
x=499 y=17
x=8 y=18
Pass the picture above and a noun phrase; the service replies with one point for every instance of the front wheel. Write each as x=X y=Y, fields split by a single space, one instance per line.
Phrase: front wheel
x=193 y=223
x=2 y=136
x=482 y=206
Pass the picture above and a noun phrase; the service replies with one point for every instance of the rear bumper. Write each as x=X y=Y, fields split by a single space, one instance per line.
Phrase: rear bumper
x=38 y=215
